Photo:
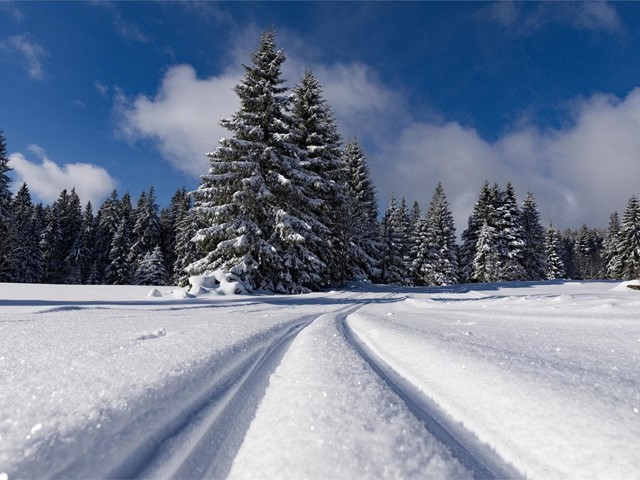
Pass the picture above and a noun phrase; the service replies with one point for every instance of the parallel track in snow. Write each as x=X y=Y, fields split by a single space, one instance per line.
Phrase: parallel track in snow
x=480 y=459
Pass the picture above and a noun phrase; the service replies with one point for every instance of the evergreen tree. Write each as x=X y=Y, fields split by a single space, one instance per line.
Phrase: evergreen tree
x=119 y=269
x=441 y=237
x=237 y=199
x=588 y=247
x=187 y=250
x=414 y=216
x=170 y=219
x=26 y=257
x=51 y=247
x=150 y=270
x=510 y=235
x=107 y=221
x=5 y=211
x=612 y=243
x=482 y=213
x=629 y=244
x=80 y=258
x=394 y=242
x=321 y=171
x=533 y=252
x=358 y=229
x=553 y=247
x=146 y=226
x=486 y=263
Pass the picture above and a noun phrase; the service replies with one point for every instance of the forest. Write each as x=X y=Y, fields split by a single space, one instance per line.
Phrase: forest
x=288 y=207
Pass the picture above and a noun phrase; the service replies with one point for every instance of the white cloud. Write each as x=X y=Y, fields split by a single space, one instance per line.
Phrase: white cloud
x=10 y=9
x=183 y=117
x=47 y=179
x=31 y=54
x=579 y=173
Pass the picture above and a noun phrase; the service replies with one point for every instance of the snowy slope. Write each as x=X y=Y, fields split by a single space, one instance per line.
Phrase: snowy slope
x=537 y=380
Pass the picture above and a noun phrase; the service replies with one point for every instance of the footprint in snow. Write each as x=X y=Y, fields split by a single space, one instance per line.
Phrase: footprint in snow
x=151 y=335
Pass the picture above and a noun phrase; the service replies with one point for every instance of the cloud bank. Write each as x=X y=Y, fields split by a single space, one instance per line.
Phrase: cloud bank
x=46 y=179
x=579 y=173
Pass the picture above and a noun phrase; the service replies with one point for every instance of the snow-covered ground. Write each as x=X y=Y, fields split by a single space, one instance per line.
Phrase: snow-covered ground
x=538 y=380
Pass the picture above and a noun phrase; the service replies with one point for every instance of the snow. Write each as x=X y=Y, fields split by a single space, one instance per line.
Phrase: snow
x=536 y=379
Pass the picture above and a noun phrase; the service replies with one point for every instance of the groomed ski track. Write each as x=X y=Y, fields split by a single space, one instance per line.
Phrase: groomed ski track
x=200 y=429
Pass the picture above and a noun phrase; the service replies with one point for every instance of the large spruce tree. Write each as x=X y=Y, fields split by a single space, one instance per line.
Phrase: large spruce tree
x=533 y=250
x=249 y=173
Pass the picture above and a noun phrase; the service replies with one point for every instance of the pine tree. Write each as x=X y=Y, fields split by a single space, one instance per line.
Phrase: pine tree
x=358 y=230
x=187 y=251
x=441 y=238
x=150 y=270
x=510 y=241
x=553 y=247
x=24 y=240
x=321 y=167
x=486 y=263
x=533 y=251
x=395 y=244
x=629 y=244
x=51 y=247
x=237 y=199
x=146 y=227
x=588 y=253
x=612 y=243
x=81 y=258
x=5 y=211
x=170 y=219
x=107 y=221
x=482 y=213
x=119 y=271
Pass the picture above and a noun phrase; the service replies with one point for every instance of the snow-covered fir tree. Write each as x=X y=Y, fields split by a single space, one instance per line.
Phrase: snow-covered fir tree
x=119 y=270
x=588 y=246
x=236 y=199
x=146 y=226
x=483 y=211
x=628 y=255
x=24 y=241
x=510 y=235
x=553 y=248
x=315 y=134
x=533 y=236
x=395 y=244
x=358 y=229
x=170 y=218
x=50 y=245
x=435 y=252
x=486 y=262
x=611 y=246
x=5 y=211
x=150 y=270
x=80 y=257
x=187 y=251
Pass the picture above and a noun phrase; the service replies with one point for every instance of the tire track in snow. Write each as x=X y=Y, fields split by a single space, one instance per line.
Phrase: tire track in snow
x=476 y=456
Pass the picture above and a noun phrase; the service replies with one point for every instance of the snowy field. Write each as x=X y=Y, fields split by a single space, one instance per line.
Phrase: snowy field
x=536 y=380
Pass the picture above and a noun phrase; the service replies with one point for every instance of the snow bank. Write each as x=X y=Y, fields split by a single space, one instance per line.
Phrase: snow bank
x=624 y=286
x=217 y=281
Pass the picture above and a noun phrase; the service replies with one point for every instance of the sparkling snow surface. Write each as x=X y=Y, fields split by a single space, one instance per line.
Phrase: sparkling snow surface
x=109 y=382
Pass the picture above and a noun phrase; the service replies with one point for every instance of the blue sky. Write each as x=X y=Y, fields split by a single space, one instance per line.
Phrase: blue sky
x=126 y=95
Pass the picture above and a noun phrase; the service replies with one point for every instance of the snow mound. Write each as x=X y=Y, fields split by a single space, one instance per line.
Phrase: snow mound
x=217 y=281
x=154 y=292
x=181 y=293
x=625 y=286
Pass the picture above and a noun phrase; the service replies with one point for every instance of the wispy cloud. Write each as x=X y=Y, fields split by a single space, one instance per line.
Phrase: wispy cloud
x=123 y=27
x=46 y=179
x=12 y=10
x=525 y=18
x=31 y=54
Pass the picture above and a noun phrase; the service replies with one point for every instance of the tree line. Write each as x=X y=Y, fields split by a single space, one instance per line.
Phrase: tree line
x=286 y=207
